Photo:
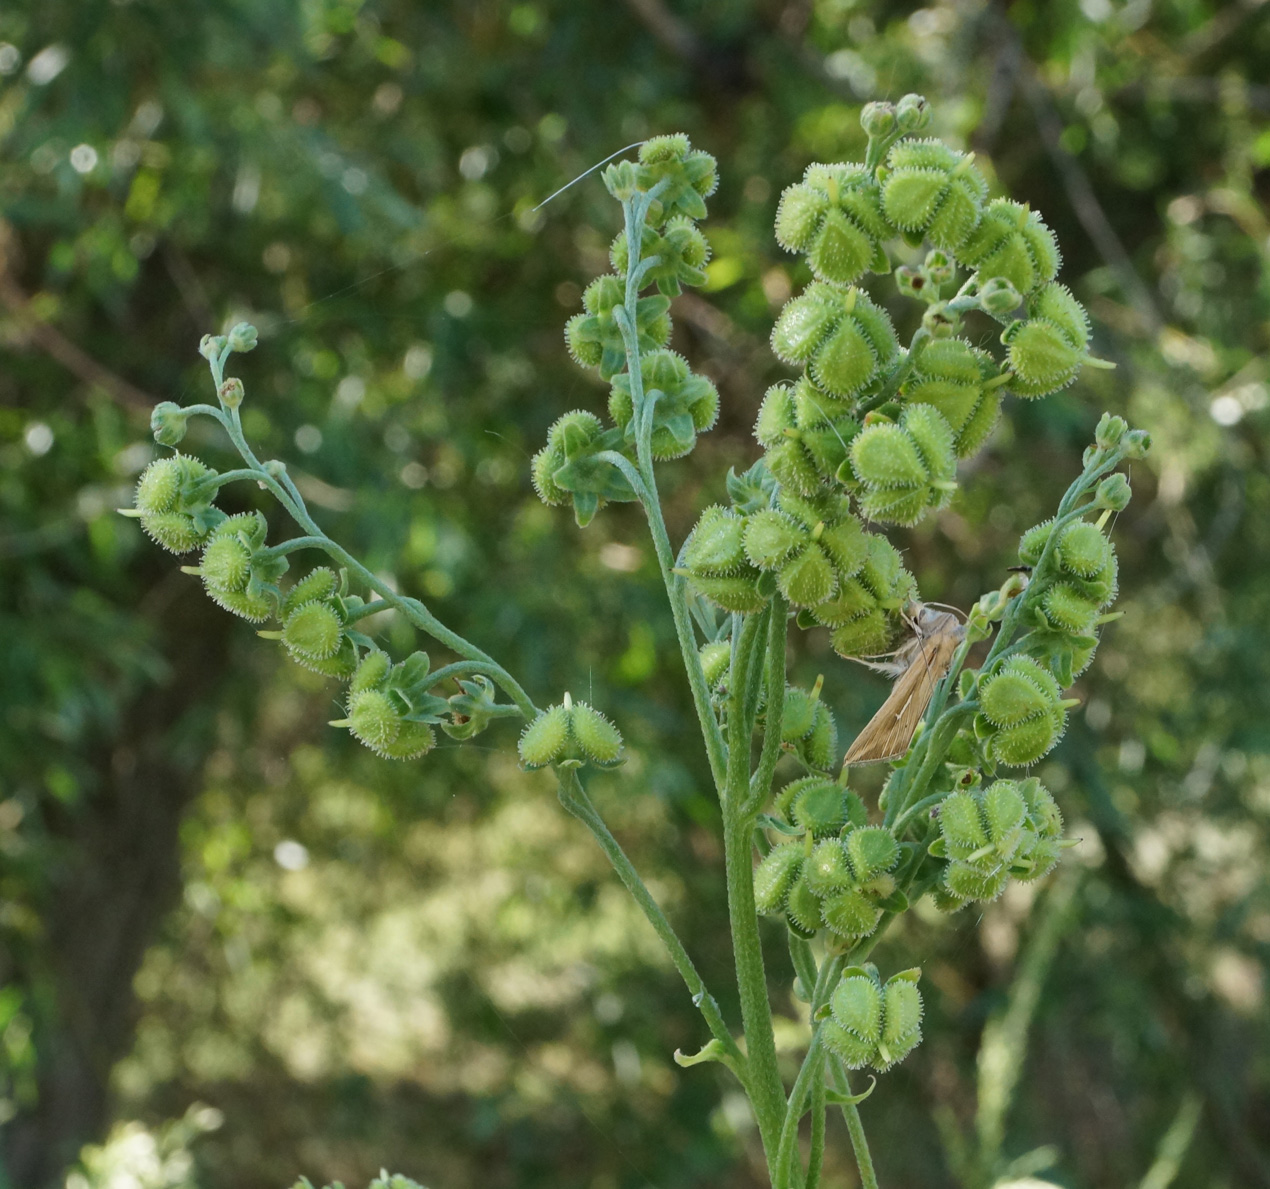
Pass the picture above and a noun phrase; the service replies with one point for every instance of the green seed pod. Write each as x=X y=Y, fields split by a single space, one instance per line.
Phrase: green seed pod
x=775 y=875
x=1026 y=743
x=1033 y=542
x=341 y=666
x=691 y=176
x=806 y=433
x=545 y=738
x=812 y=546
x=1084 y=551
x=974 y=881
x=952 y=376
x=681 y=250
x=934 y=191
x=1004 y=814
x=868 y=635
x=715 y=659
x=906 y=468
x=413 y=740
x=961 y=825
x=316 y=586
x=715 y=563
x=857 y=1006
x=827 y=869
x=902 y=1027
x=799 y=714
x=1013 y=243
x=872 y=851
x=1009 y=698
x=834 y=216
x=566 y=468
x=885 y=576
x=168 y=511
x=1068 y=610
x=802 y=907
x=599 y=739
x=232 y=572
x=855 y=1053
x=820 y=806
x=850 y=914
x=1047 y=350
x=313 y=632
x=374 y=718
x=842 y=336
x=819 y=749
x=594 y=337
x=688 y=404
x=1043 y=813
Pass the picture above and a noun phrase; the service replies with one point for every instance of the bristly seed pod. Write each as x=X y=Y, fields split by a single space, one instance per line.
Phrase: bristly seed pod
x=687 y=404
x=1012 y=242
x=594 y=337
x=934 y=191
x=682 y=254
x=841 y=335
x=834 y=216
x=570 y=734
x=871 y=1023
x=956 y=379
x=168 y=504
x=906 y=468
x=1048 y=348
x=1023 y=714
x=806 y=433
x=715 y=562
x=235 y=574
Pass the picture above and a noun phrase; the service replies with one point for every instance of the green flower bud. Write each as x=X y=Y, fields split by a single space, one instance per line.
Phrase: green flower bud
x=939 y=267
x=690 y=176
x=681 y=250
x=211 y=345
x=594 y=337
x=775 y=875
x=1113 y=492
x=842 y=336
x=834 y=216
x=878 y=120
x=242 y=337
x=934 y=191
x=1047 y=350
x=688 y=404
x=168 y=423
x=997 y=296
x=912 y=113
x=906 y=468
x=1109 y=431
x=953 y=377
x=231 y=392
x=1137 y=443
x=1011 y=242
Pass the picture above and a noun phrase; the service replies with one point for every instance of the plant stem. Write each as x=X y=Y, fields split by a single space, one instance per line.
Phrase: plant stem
x=575 y=800
x=859 y=1143
x=812 y=1071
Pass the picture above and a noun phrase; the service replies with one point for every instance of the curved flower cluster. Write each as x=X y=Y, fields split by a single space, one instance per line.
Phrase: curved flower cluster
x=669 y=405
x=1011 y=829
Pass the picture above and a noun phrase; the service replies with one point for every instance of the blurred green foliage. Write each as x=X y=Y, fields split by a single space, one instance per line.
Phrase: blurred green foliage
x=207 y=896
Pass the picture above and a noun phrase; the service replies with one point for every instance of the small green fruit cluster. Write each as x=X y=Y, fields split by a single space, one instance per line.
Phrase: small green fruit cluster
x=1011 y=829
x=314 y=617
x=834 y=217
x=838 y=877
x=934 y=192
x=173 y=503
x=238 y=572
x=571 y=734
x=1022 y=712
x=872 y=1023
x=567 y=470
x=717 y=565
x=905 y=469
x=806 y=433
x=389 y=707
x=670 y=403
x=1047 y=349
x=963 y=385
x=686 y=404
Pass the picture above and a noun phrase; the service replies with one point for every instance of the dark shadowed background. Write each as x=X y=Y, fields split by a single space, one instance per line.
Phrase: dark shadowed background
x=234 y=946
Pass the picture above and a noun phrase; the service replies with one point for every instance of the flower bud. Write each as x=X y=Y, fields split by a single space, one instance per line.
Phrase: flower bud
x=1113 y=492
x=878 y=120
x=231 y=392
x=210 y=346
x=1137 y=443
x=939 y=267
x=242 y=337
x=1110 y=430
x=912 y=113
x=168 y=422
x=842 y=336
x=998 y=296
x=934 y=191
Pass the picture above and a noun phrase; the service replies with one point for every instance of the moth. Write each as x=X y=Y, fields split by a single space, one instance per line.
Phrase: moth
x=918 y=666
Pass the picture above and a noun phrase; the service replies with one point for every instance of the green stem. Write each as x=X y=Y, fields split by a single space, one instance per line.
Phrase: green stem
x=816 y=1158
x=761 y=781
x=855 y=1128
x=812 y=1071
x=899 y=373
x=575 y=800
